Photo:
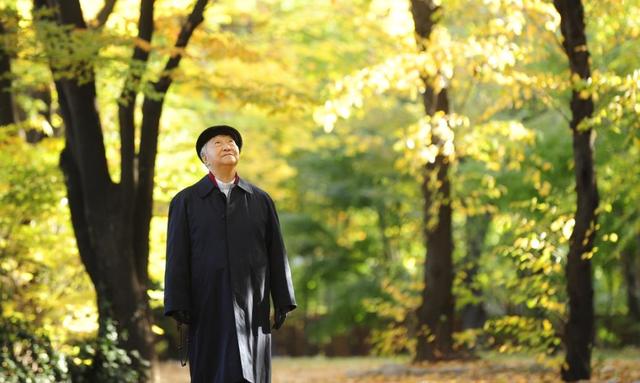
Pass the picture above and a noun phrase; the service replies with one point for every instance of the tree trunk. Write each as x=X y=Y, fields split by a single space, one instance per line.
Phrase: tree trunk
x=382 y=226
x=6 y=96
x=111 y=221
x=435 y=314
x=100 y=223
x=579 y=330
x=631 y=270
x=473 y=315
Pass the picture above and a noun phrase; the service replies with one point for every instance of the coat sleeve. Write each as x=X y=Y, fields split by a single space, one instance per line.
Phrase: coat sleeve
x=280 y=274
x=177 y=272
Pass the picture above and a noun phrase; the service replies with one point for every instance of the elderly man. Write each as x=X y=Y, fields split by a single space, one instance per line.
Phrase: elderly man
x=225 y=256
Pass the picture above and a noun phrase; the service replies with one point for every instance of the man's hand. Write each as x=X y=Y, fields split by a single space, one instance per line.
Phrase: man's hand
x=278 y=318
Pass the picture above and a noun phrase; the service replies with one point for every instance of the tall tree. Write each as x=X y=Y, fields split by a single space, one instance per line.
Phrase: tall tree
x=6 y=97
x=579 y=330
x=435 y=314
x=111 y=220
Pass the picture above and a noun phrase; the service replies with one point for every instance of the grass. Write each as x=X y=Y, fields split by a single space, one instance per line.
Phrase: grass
x=608 y=366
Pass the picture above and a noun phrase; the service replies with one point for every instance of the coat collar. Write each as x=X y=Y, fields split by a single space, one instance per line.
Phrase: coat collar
x=244 y=185
x=206 y=185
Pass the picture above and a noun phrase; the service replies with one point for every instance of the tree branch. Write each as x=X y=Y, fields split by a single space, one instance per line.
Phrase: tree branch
x=103 y=15
x=127 y=103
x=425 y=14
x=151 y=112
x=6 y=96
x=70 y=12
x=82 y=120
x=195 y=18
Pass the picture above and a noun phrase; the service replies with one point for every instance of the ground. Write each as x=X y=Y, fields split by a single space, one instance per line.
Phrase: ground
x=610 y=367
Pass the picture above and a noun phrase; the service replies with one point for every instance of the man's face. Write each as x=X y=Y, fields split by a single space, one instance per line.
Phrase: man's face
x=221 y=150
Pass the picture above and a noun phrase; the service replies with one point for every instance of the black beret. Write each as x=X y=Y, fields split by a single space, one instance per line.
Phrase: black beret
x=217 y=130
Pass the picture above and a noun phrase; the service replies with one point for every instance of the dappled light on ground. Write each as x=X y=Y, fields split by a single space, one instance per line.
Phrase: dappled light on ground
x=625 y=368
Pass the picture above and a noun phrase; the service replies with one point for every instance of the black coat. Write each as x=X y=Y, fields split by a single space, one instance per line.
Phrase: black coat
x=224 y=259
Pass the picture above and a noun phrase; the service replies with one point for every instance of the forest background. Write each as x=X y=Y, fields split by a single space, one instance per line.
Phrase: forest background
x=453 y=178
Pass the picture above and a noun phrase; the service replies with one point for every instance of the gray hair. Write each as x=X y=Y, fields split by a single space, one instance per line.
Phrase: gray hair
x=203 y=150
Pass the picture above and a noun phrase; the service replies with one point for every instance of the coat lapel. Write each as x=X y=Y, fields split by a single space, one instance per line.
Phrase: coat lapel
x=204 y=186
